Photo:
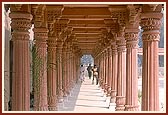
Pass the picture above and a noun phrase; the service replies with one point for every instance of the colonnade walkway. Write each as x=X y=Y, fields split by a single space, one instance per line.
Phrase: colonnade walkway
x=85 y=98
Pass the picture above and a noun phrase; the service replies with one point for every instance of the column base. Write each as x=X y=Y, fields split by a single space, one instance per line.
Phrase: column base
x=42 y=108
x=112 y=106
x=120 y=102
x=131 y=108
x=52 y=108
x=120 y=108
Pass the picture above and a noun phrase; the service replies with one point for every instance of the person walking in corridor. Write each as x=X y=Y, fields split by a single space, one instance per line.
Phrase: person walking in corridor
x=89 y=69
x=95 y=74
x=82 y=74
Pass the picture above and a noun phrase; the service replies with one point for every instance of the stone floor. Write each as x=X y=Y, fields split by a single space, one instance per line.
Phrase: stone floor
x=85 y=98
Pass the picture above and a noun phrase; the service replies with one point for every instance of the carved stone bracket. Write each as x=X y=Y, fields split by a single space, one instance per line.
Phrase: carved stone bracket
x=54 y=12
x=134 y=14
x=121 y=15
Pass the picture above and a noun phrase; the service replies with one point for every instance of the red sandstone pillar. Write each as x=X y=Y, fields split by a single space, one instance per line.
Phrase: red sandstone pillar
x=21 y=23
x=60 y=82
x=68 y=69
x=131 y=70
x=114 y=74
x=40 y=66
x=52 y=75
x=150 y=23
x=109 y=70
x=64 y=72
x=101 y=70
x=121 y=76
x=106 y=70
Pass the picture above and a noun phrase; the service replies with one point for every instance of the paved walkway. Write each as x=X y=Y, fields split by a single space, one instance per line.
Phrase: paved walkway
x=85 y=98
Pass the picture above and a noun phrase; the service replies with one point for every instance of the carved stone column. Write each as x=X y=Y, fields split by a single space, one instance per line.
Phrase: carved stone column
x=70 y=66
x=59 y=62
x=40 y=69
x=101 y=71
x=52 y=74
x=131 y=70
x=21 y=23
x=105 y=71
x=109 y=70
x=104 y=65
x=150 y=23
x=7 y=56
x=121 y=76
x=68 y=69
x=114 y=73
x=65 y=89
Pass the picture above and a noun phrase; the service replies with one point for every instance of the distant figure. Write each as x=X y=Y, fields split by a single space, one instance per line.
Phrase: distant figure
x=89 y=69
x=82 y=74
x=95 y=74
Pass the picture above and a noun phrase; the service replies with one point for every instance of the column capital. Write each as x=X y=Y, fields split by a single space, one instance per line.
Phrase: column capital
x=131 y=39
x=20 y=21
x=40 y=34
x=149 y=23
x=51 y=42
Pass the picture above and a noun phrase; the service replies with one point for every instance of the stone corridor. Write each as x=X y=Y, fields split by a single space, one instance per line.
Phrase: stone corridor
x=85 y=98
x=47 y=65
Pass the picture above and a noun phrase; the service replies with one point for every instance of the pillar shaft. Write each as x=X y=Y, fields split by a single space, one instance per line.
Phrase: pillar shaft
x=40 y=69
x=114 y=73
x=68 y=70
x=150 y=81
x=104 y=65
x=121 y=76
x=52 y=76
x=59 y=62
x=109 y=70
x=131 y=72
x=21 y=23
x=64 y=72
x=101 y=71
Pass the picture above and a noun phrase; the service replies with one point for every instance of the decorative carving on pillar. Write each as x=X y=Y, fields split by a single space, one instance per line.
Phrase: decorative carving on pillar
x=114 y=73
x=39 y=16
x=131 y=71
x=150 y=23
x=52 y=74
x=60 y=27
x=60 y=65
x=40 y=69
x=21 y=23
x=109 y=71
x=64 y=59
x=121 y=76
x=131 y=40
x=54 y=12
x=40 y=61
